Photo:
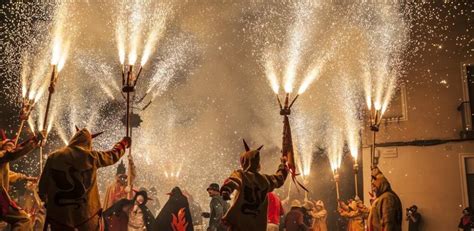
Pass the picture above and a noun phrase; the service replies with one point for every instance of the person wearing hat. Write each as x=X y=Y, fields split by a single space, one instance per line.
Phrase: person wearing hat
x=248 y=211
x=130 y=215
x=354 y=215
x=294 y=220
x=68 y=185
x=9 y=211
x=386 y=211
x=320 y=215
x=218 y=208
x=118 y=190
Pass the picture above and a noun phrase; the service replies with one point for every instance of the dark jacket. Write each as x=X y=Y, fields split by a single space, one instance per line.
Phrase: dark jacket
x=116 y=219
x=294 y=220
x=172 y=213
x=218 y=208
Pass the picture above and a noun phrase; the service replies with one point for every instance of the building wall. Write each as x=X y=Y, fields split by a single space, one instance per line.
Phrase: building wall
x=429 y=177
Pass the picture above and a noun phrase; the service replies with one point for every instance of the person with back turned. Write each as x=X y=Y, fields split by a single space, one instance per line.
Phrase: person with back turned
x=249 y=210
x=68 y=185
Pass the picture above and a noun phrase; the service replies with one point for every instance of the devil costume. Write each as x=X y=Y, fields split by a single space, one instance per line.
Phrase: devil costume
x=386 y=211
x=249 y=210
x=68 y=185
x=9 y=211
x=175 y=215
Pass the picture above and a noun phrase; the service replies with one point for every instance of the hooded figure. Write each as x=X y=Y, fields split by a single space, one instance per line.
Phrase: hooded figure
x=9 y=211
x=130 y=215
x=68 y=185
x=386 y=211
x=175 y=215
x=355 y=216
x=117 y=189
x=320 y=215
x=249 y=210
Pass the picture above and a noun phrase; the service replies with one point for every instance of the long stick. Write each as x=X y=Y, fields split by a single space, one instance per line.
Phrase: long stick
x=22 y=124
x=51 y=91
x=41 y=160
x=129 y=176
x=372 y=151
x=356 y=186
x=289 y=190
x=337 y=190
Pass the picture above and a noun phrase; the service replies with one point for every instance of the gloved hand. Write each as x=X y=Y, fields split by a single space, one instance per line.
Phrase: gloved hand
x=126 y=142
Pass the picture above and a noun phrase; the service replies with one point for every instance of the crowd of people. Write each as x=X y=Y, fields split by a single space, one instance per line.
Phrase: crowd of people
x=66 y=197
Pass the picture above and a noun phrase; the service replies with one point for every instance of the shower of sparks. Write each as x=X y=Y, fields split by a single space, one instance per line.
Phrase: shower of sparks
x=140 y=26
x=335 y=149
x=376 y=34
x=271 y=75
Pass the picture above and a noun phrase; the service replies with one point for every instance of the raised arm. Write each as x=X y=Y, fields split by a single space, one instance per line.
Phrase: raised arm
x=278 y=179
x=230 y=184
x=110 y=157
x=21 y=150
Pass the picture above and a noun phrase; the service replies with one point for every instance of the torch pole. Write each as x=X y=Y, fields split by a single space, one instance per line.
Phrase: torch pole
x=356 y=173
x=22 y=124
x=41 y=160
x=129 y=175
x=336 y=179
x=51 y=91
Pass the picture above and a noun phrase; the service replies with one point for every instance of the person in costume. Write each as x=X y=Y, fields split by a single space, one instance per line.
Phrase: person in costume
x=68 y=185
x=386 y=211
x=320 y=215
x=175 y=214
x=249 y=209
x=354 y=214
x=130 y=215
x=10 y=212
x=118 y=190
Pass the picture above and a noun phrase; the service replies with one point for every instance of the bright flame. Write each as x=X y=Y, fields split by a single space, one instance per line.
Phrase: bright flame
x=310 y=78
x=388 y=94
x=335 y=149
x=377 y=105
x=146 y=54
x=271 y=76
x=120 y=33
x=23 y=91
x=31 y=123
x=56 y=50
x=64 y=54
x=31 y=95
x=132 y=57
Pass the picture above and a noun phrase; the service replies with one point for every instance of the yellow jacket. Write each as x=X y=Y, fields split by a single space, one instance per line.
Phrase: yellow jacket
x=68 y=184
